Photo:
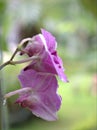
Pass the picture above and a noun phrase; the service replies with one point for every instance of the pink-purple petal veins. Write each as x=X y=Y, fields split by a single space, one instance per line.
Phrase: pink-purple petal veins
x=43 y=100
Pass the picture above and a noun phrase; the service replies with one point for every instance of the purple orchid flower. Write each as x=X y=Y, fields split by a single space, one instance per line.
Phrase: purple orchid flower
x=44 y=46
x=38 y=80
x=39 y=94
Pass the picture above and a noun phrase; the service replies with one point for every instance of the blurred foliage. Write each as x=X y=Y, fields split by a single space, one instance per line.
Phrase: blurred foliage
x=3 y=5
x=2 y=10
x=88 y=124
x=87 y=4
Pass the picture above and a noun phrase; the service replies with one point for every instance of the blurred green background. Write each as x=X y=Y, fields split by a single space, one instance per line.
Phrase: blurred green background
x=73 y=23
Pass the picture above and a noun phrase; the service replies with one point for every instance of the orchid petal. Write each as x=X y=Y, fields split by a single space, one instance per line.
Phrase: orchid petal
x=43 y=101
x=50 y=40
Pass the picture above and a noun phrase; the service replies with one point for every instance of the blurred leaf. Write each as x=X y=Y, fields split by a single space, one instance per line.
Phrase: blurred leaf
x=2 y=10
x=3 y=4
x=90 y=5
x=87 y=124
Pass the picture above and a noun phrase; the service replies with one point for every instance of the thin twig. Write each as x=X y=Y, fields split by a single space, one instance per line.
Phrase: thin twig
x=14 y=54
x=3 y=65
x=17 y=50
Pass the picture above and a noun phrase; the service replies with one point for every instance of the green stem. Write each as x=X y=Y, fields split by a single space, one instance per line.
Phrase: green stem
x=14 y=54
x=17 y=50
x=3 y=65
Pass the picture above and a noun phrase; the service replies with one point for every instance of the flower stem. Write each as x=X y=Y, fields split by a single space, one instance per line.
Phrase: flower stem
x=14 y=54
x=19 y=48
x=3 y=65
